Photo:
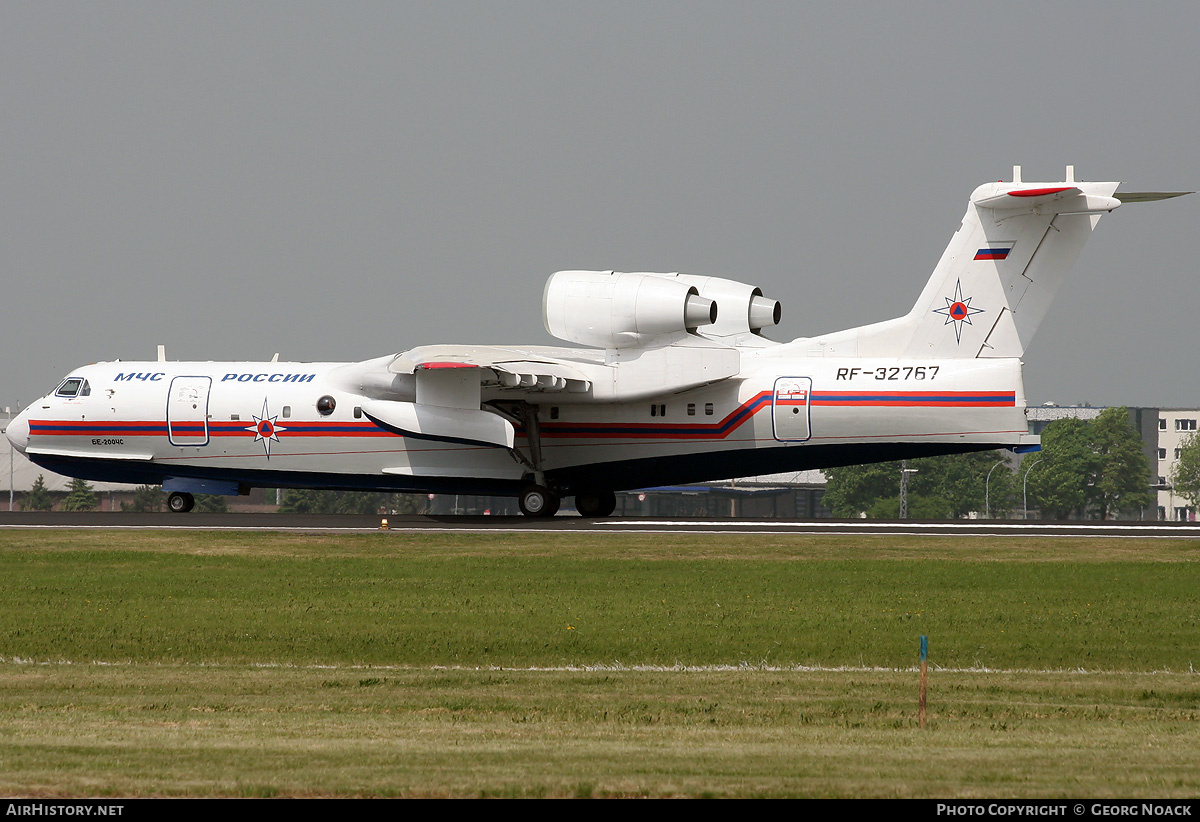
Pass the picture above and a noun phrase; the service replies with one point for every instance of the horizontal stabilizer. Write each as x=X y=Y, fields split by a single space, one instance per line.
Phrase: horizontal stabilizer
x=1149 y=196
x=1028 y=197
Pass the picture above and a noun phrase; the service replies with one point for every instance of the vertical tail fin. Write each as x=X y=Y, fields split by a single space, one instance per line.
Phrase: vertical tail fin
x=1008 y=259
x=996 y=280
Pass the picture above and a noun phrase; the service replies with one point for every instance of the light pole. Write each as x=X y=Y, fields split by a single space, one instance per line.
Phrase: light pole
x=1025 y=488
x=987 y=490
x=904 y=472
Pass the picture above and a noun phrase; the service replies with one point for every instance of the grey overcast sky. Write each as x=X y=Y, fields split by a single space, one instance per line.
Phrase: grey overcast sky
x=337 y=181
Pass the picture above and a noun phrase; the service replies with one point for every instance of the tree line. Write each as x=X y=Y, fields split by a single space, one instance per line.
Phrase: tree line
x=1086 y=470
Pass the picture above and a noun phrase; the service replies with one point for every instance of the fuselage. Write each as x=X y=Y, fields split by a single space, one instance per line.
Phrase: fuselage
x=274 y=424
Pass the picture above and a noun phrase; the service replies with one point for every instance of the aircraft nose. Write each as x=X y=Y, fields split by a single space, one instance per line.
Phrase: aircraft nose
x=17 y=432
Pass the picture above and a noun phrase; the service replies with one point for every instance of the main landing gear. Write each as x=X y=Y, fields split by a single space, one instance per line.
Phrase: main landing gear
x=179 y=502
x=595 y=503
x=538 y=501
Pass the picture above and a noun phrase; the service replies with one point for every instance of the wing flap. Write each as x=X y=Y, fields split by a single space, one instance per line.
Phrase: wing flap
x=501 y=368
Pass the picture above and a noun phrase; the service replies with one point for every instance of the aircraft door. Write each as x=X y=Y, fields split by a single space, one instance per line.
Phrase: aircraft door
x=187 y=410
x=790 y=409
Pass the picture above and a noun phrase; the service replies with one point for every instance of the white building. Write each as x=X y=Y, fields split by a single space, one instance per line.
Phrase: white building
x=1175 y=426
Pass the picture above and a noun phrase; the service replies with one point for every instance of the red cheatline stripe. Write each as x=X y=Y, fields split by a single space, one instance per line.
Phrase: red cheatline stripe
x=1037 y=192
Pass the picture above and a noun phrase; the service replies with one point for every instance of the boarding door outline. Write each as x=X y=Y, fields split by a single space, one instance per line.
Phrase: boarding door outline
x=187 y=410
x=790 y=404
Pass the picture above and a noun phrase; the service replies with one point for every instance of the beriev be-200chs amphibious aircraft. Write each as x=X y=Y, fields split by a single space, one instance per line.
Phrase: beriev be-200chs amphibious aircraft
x=676 y=384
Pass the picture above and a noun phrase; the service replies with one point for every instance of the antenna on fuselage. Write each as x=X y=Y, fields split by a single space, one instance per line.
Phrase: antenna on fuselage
x=162 y=353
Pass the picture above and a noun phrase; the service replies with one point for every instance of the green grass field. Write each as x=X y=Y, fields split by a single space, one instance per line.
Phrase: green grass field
x=231 y=664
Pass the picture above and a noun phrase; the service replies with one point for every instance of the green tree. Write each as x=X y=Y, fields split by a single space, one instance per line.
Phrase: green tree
x=1185 y=476
x=309 y=501
x=79 y=497
x=950 y=486
x=1090 y=469
x=38 y=498
x=406 y=503
x=853 y=489
x=145 y=498
x=211 y=504
x=1057 y=477
x=1121 y=486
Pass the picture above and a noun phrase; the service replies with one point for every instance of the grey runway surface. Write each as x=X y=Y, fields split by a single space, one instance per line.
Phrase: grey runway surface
x=572 y=524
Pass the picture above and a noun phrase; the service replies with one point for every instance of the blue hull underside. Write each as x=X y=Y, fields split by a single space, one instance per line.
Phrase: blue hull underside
x=622 y=475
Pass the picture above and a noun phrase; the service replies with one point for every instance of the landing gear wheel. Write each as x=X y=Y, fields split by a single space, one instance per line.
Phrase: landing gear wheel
x=180 y=503
x=596 y=503
x=537 y=501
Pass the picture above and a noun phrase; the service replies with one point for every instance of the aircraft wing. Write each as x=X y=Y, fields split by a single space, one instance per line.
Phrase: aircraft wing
x=501 y=367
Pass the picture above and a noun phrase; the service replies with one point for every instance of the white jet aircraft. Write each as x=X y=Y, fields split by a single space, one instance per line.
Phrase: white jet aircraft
x=676 y=385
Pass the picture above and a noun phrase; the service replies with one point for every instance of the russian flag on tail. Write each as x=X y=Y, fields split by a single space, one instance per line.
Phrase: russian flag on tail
x=994 y=251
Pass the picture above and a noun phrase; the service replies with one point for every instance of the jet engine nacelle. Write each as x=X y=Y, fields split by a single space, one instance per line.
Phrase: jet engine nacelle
x=610 y=309
x=742 y=308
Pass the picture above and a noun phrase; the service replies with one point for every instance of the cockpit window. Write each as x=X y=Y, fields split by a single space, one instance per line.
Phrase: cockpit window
x=73 y=387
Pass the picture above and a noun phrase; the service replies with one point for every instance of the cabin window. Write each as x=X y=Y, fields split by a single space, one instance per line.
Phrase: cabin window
x=235 y=416
x=654 y=410
x=73 y=387
x=287 y=411
x=325 y=405
x=357 y=412
x=691 y=409
x=708 y=409
x=554 y=412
